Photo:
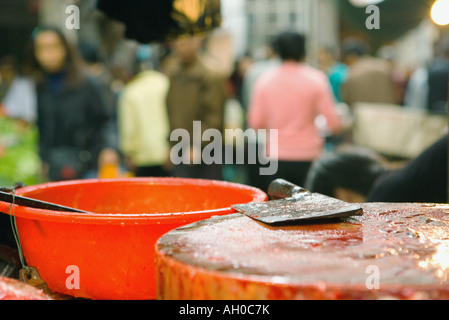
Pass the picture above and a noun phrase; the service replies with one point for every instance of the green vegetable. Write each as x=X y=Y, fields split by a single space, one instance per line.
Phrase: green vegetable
x=19 y=161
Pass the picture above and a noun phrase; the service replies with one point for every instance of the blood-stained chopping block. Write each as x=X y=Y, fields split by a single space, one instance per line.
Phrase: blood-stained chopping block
x=393 y=251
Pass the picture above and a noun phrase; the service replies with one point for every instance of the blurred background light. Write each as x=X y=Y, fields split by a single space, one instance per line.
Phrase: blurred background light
x=363 y=3
x=440 y=12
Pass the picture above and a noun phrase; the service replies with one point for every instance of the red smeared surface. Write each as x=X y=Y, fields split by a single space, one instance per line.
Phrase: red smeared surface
x=234 y=257
x=11 y=289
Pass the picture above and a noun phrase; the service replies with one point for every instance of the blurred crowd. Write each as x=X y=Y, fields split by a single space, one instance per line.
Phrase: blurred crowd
x=93 y=121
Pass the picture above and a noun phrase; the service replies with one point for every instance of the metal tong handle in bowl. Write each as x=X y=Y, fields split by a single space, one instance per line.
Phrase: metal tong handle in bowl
x=281 y=189
x=33 y=203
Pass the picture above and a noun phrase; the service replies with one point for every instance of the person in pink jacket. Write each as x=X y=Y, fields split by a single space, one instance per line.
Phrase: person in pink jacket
x=289 y=98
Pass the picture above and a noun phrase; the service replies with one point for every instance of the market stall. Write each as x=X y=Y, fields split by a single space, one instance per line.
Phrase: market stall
x=176 y=238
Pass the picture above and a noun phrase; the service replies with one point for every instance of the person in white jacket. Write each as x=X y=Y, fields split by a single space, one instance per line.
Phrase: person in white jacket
x=20 y=101
x=143 y=121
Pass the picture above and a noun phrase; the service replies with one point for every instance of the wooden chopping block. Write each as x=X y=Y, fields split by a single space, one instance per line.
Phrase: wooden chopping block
x=393 y=251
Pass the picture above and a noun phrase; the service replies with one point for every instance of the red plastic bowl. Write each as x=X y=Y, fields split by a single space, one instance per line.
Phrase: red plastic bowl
x=110 y=254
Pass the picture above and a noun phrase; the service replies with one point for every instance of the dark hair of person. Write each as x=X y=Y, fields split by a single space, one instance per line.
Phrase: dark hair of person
x=73 y=65
x=354 y=47
x=290 y=46
x=272 y=42
x=355 y=169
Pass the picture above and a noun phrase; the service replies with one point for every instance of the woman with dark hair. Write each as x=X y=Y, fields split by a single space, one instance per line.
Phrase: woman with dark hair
x=288 y=99
x=74 y=119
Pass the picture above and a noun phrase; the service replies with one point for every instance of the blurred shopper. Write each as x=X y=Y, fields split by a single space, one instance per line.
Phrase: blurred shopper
x=8 y=72
x=360 y=175
x=96 y=68
x=259 y=67
x=369 y=79
x=417 y=90
x=424 y=179
x=72 y=115
x=438 y=80
x=428 y=88
x=20 y=100
x=17 y=93
x=288 y=99
x=241 y=69
x=336 y=71
x=399 y=75
x=270 y=61
x=143 y=120
x=196 y=94
x=347 y=174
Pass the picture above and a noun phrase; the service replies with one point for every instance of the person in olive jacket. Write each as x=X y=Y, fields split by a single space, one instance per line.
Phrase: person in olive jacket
x=196 y=94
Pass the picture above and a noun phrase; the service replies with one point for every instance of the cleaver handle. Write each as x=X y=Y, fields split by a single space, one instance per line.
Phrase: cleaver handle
x=281 y=189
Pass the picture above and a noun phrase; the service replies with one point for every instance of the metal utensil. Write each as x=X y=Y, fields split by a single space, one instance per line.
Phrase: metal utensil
x=292 y=204
x=34 y=203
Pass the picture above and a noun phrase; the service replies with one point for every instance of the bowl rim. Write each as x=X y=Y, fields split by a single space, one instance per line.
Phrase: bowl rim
x=125 y=218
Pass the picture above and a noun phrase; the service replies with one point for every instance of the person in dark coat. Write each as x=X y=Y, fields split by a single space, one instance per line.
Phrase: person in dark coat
x=359 y=175
x=424 y=179
x=75 y=120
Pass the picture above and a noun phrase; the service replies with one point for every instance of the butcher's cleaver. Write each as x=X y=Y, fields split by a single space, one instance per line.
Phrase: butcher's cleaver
x=292 y=204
